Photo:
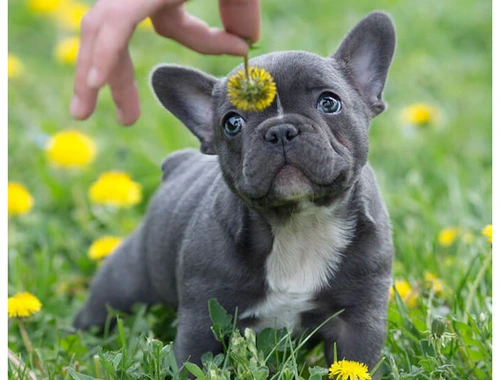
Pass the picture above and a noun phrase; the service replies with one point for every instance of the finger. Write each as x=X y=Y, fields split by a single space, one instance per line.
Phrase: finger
x=196 y=34
x=84 y=98
x=241 y=17
x=124 y=90
x=121 y=18
x=112 y=39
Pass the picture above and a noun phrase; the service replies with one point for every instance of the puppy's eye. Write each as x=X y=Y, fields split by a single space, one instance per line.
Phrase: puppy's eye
x=329 y=103
x=233 y=124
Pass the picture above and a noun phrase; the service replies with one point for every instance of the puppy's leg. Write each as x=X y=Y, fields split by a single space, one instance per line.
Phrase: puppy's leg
x=194 y=336
x=359 y=339
x=121 y=281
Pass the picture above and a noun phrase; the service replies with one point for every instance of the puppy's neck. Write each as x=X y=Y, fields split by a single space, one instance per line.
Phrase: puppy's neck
x=308 y=247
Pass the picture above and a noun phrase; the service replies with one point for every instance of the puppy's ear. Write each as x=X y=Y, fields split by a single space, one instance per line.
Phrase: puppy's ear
x=366 y=54
x=187 y=94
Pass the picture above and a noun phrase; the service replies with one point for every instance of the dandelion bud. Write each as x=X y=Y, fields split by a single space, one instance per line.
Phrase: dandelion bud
x=438 y=327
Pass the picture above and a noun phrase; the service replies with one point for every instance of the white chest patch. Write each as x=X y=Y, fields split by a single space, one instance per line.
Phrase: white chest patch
x=306 y=252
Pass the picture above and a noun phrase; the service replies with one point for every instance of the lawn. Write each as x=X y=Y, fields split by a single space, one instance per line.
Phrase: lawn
x=431 y=151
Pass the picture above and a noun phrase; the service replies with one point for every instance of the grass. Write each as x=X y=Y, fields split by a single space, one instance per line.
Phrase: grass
x=432 y=177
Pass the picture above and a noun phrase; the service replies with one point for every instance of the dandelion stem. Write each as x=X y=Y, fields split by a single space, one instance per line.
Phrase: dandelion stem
x=24 y=335
x=245 y=63
x=27 y=343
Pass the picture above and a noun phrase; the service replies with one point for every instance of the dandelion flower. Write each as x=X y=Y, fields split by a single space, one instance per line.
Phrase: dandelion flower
x=349 y=370
x=44 y=6
x=145 y=24
x=20 y=200
x=420 y=114
x=447 y=236
x=254 y=93
x=69 y=16
x=115 y=189
x=15 y=66
x=23 y=305
x=74 y=286
x=66 y=51
x=71 y=148
x=103 y=247
x=488 y=232
x=434 y=283
x=405 y=291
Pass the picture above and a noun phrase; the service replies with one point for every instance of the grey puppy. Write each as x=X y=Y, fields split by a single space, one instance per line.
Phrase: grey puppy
x=286 y=223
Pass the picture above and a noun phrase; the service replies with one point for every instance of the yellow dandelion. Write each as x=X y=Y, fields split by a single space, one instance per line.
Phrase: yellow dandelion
x=74 y=286
x=447 y=236
x=405 y=291
x=349 y=370
x=488 y=232
x=103 y=247
x=115 y=189
x=71 y=149
x=23 y=305
x=44 y=6
x=66 y=51
x=420 y=114
x=434 y=283
x=20 y=200
x=254 y=93
x=145 y=24
x=15 y=66
x=70 y=14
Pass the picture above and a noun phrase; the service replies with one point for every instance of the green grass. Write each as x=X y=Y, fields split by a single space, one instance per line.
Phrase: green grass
x=431 y=178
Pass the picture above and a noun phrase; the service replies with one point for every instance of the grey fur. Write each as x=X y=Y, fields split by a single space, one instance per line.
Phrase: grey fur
x=209 y=228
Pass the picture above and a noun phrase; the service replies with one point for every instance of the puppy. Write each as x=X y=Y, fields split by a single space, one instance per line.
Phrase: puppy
x=279 y=216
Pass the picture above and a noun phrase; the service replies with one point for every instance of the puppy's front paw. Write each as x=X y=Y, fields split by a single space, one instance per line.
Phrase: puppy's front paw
x=86 y=318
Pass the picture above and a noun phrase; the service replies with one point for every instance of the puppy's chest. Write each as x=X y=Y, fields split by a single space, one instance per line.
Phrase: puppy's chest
x=305 y=255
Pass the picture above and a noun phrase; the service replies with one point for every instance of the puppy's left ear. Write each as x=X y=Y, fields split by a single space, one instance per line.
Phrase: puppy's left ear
x=187 y=94
x=365 y=54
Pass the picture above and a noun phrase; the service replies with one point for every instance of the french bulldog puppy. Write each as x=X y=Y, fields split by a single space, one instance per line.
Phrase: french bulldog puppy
x=280 y=215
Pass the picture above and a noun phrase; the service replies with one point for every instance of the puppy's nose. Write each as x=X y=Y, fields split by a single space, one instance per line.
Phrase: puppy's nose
x=281 y=134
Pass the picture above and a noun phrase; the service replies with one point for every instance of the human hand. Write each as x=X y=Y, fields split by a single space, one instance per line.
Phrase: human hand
x=104 y=56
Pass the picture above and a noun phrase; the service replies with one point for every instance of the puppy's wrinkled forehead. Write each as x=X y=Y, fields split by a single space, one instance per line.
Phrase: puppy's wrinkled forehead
x=295 y=73
x=355 y=74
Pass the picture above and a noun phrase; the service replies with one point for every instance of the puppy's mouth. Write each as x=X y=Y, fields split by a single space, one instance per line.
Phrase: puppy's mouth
x=290 y=183
x=287 y=182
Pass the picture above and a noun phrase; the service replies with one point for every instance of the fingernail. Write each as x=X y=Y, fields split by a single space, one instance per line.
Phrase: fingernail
x=93 y=79
x=76 y=108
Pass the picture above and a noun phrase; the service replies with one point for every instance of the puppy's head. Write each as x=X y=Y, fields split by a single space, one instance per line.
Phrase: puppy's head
x=312 y=141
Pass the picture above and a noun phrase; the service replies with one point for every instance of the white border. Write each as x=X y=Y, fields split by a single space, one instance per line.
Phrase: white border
x=3 y=186
x=4 y=159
